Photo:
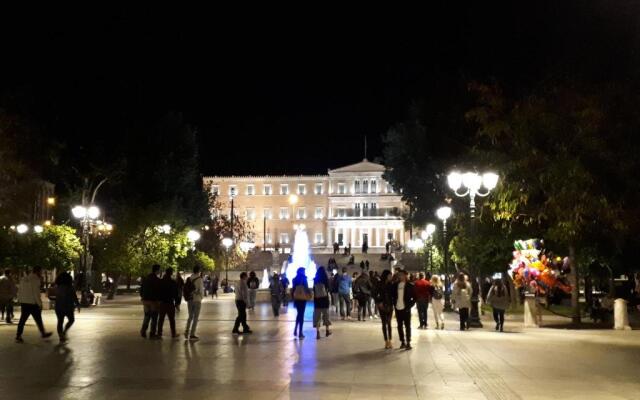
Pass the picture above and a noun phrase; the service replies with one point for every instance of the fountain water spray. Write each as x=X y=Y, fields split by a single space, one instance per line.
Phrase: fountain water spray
x=300 y=257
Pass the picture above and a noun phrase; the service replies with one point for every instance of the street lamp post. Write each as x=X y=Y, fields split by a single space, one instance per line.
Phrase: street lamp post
x=87 y=216
x=472 y=183
x=427 y=237
x=227 y=242
x=444 y=213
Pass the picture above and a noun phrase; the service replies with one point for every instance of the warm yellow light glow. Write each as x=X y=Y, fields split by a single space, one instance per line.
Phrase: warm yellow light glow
x=293 y=199
x=51 y=201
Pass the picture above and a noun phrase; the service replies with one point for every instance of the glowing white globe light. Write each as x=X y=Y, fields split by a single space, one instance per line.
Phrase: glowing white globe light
x=93 y=212
x=444 y=213
x=489 y=180
x=22 y=228
x=227 y=242
x=424 y=235
x=472 y=180
x=166 y=228
x=430 y=229
x=193 y=236
x=455 y=180
x=79 y=212
x=38 y=229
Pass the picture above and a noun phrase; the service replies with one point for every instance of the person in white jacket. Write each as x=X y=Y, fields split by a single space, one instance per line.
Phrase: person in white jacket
x=462 y=300
x=30 y=303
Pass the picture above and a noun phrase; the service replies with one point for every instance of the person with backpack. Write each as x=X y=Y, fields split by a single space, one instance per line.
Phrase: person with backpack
x=437 y=301
x=168 y=298
x=344 y=292
x=150 y=295
x=66 y=304
x=193 y=292
x=300 y=293
x=253 y=283
x=362 y=293
x=242 y=298
x=461 y=298
x=498 y=298
x=321 y=302
x=275 y=288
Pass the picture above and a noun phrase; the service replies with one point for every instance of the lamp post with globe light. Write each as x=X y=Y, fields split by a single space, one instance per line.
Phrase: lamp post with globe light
x=86 y=216
x=427 y=238
x=472 y=184
x=227 y=242
x=444 y=213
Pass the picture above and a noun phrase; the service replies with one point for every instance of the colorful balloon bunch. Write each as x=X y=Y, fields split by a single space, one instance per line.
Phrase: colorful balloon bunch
x=532 y=269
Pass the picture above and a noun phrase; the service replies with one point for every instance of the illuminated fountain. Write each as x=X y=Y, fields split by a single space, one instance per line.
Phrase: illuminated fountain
x=265 y=279
x=300 y=257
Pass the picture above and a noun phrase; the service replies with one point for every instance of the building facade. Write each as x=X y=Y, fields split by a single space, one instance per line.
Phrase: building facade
x=350 y=205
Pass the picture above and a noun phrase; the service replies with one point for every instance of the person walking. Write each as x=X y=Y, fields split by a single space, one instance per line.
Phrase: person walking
x=403 y=299
x=423 y=296
x=362 y=292
x=384 y=303
x=179 y=287
x=150 y=295
x=285 y=290
x=215 y=286
x=193 y=293
x=437 y=301
x=374 y=279
x=275 y=288
x=253 y=283
x=242 y=299
x=321 y=302
x=30 y=303
x=168 y=299
x=300 y=294
x=333 y=284
x=461 y=297
x=498 y=298
x=8 y=291
x=344 y=291
x=66 y=304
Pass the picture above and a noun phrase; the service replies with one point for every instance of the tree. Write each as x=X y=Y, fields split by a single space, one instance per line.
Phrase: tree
x=194 y=258
x=566 y=158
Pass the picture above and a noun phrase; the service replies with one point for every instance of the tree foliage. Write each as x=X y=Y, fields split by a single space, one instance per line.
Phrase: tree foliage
x=57 y=246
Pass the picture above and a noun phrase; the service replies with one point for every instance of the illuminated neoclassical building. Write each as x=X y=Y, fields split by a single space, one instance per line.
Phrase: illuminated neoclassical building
x=350 y=205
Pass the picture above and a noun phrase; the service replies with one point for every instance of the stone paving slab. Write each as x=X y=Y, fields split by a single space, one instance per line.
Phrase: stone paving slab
x=106 y=359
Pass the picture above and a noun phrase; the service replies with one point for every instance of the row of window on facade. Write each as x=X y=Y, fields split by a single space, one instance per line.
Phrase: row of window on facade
x=318 y=238
x=359 y=210
x=359 y=187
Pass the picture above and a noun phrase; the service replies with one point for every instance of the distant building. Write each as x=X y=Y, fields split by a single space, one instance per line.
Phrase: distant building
x=29 y=202
x=350 y=205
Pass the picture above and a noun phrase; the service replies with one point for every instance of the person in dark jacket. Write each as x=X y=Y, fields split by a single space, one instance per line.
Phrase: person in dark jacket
x=321 y=302
x=167 y=304
x=275 y=288
x=66 y=303
x=300 y=304
x=384 y=303
x=179 y=287
x=150 y=295
x=362 y=292
x=403 y=298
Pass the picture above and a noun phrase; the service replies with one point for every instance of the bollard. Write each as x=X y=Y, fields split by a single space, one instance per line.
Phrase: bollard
x=530 y=312
x=620 y=315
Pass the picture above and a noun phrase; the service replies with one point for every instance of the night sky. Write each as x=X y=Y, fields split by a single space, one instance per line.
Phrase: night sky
x=294 y=95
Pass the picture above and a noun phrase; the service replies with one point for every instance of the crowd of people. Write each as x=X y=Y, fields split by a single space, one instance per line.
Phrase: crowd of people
x=367 y=295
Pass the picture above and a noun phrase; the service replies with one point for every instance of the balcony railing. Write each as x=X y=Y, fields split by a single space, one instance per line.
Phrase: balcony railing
x=377 y=213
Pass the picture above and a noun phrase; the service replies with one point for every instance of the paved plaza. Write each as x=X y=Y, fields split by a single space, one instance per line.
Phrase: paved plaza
x=107 y=359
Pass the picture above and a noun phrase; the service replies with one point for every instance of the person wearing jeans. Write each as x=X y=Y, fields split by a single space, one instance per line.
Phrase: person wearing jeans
x=498 y=298
x=194 y=304
x=242 y=298
x=150 y=295
x=462 y=299
x=423 y=296
x=168 y=299
x=299 y=285
x=344 y=291
x=437 y=301
x=403 y=299
x=384 y=303
x=30 y=303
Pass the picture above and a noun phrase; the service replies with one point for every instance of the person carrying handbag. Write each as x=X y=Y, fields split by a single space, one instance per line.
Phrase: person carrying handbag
x=301 y=294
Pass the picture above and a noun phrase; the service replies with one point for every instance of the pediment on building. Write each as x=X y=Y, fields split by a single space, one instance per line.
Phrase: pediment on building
x=363 y=166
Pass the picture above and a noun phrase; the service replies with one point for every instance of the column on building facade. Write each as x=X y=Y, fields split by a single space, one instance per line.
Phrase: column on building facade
x=353 y=237
x=328 y=240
